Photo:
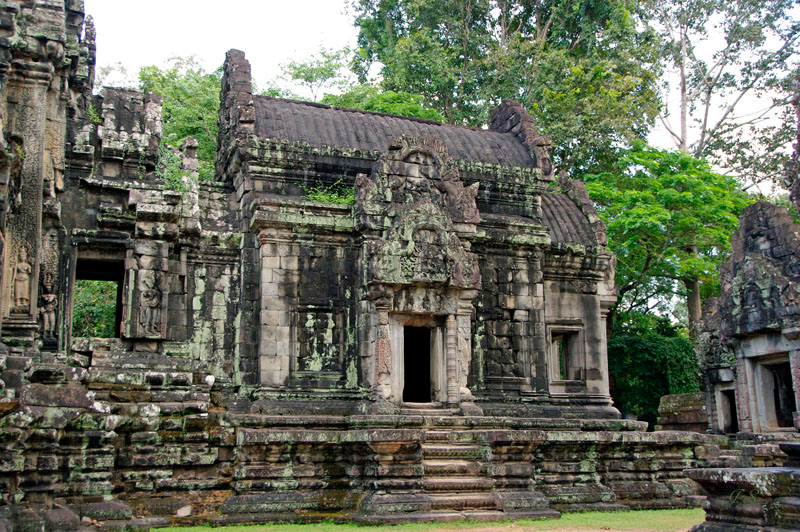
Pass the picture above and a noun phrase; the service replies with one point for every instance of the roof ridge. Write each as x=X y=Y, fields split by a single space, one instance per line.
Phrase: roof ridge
x=373 y=113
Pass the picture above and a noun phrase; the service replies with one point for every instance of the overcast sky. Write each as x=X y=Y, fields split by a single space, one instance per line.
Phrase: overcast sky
x=148 y=32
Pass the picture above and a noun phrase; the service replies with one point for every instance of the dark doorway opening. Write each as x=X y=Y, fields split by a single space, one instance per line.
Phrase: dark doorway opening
x=730 y=419
x=97 y=299
x=417 y=364
x=784 y=394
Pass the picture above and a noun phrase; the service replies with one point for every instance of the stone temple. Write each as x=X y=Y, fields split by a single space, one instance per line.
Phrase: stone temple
x=435 y=350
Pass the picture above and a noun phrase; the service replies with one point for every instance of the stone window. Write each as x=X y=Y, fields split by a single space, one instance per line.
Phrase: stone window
x=566 y=355
x=97 y=298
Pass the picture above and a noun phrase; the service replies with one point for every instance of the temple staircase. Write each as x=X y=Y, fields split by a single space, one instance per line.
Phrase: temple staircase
x=461 y=479
x=455 y=477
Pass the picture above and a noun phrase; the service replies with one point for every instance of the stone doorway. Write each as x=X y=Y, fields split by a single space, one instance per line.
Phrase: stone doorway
x=783 y=394
x=416 y=364
x=775 y=394
x=728 y=417
x=419 y=376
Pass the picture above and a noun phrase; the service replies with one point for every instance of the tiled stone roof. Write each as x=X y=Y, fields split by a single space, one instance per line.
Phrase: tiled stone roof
x=321 y=125
x=566 y=221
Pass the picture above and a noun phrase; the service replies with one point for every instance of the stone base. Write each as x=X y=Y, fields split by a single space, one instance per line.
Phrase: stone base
x=168 y=457
x=750 y=499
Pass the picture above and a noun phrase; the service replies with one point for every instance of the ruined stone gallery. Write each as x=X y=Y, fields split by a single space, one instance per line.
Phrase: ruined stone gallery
x=435 y=350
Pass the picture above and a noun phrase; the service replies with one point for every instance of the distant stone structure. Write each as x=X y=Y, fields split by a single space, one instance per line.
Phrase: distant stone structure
x=435 y=351
x=683 y=411
x=749 y=340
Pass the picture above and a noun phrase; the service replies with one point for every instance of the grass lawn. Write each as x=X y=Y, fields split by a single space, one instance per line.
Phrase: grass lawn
x=645 y=520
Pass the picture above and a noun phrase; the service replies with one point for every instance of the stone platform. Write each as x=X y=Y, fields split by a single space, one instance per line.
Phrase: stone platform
x=145 y=458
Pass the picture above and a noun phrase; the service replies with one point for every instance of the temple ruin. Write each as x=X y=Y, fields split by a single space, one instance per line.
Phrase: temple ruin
x=435 y=350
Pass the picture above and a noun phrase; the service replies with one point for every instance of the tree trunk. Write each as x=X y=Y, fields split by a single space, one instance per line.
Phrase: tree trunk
x=684 y=146
x=693 y=303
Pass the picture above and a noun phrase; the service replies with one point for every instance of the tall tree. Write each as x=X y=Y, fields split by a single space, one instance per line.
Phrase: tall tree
x=584 y=68
x=726 y=95
x=669 y=220
x=321 y=71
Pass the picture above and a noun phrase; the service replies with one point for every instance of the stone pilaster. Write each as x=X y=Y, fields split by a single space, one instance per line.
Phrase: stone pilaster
x=451 y=353
x=794 y=364
x=278 y=277
x=743 y=396
x=383 y=353
x=26 y=120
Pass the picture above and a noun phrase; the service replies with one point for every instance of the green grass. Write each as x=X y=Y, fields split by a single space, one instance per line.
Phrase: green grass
x=645 y=520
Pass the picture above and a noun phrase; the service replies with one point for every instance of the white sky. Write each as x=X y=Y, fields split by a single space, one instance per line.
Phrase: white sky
x=136 y=33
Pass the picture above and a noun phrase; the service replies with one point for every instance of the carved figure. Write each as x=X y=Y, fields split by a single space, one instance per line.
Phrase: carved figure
x=53 y=178
x=461 y=201
x=48 y=304
x=21 y=280
x=151 y=307
x=16 y=156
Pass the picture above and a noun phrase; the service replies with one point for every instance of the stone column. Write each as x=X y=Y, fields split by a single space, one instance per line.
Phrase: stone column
x=794 y=364
x=451 y=354
x=383 y=353
x=26 y=110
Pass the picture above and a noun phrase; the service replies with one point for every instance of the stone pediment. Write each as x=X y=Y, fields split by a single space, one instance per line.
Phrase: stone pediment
x=422 y=248
x=416 y=211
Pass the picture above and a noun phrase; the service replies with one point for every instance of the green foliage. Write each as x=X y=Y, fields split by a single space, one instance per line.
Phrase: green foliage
x=369 y=97
x=94 y=308
x=169 y=168
x=585 y=69
x=338 y=192
x=648 y=357
x=669 y=220
x=190 y=107
x=93 y=115
x=318 y=72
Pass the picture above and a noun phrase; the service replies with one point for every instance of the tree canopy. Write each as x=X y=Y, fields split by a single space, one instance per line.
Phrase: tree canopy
x=583 y=68
x=190 y=106
x=669 y=219
x=731 y=65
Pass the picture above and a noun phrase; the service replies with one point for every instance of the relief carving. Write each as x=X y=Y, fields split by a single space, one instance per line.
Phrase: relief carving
x=48 y=306
x=150 y=314
x=21 y=281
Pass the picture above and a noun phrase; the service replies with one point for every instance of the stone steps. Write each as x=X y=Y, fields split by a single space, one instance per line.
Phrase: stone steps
x=434 y=468
x=455 y=479
x=463 y=501
x=451 y=450
x=457 y=484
